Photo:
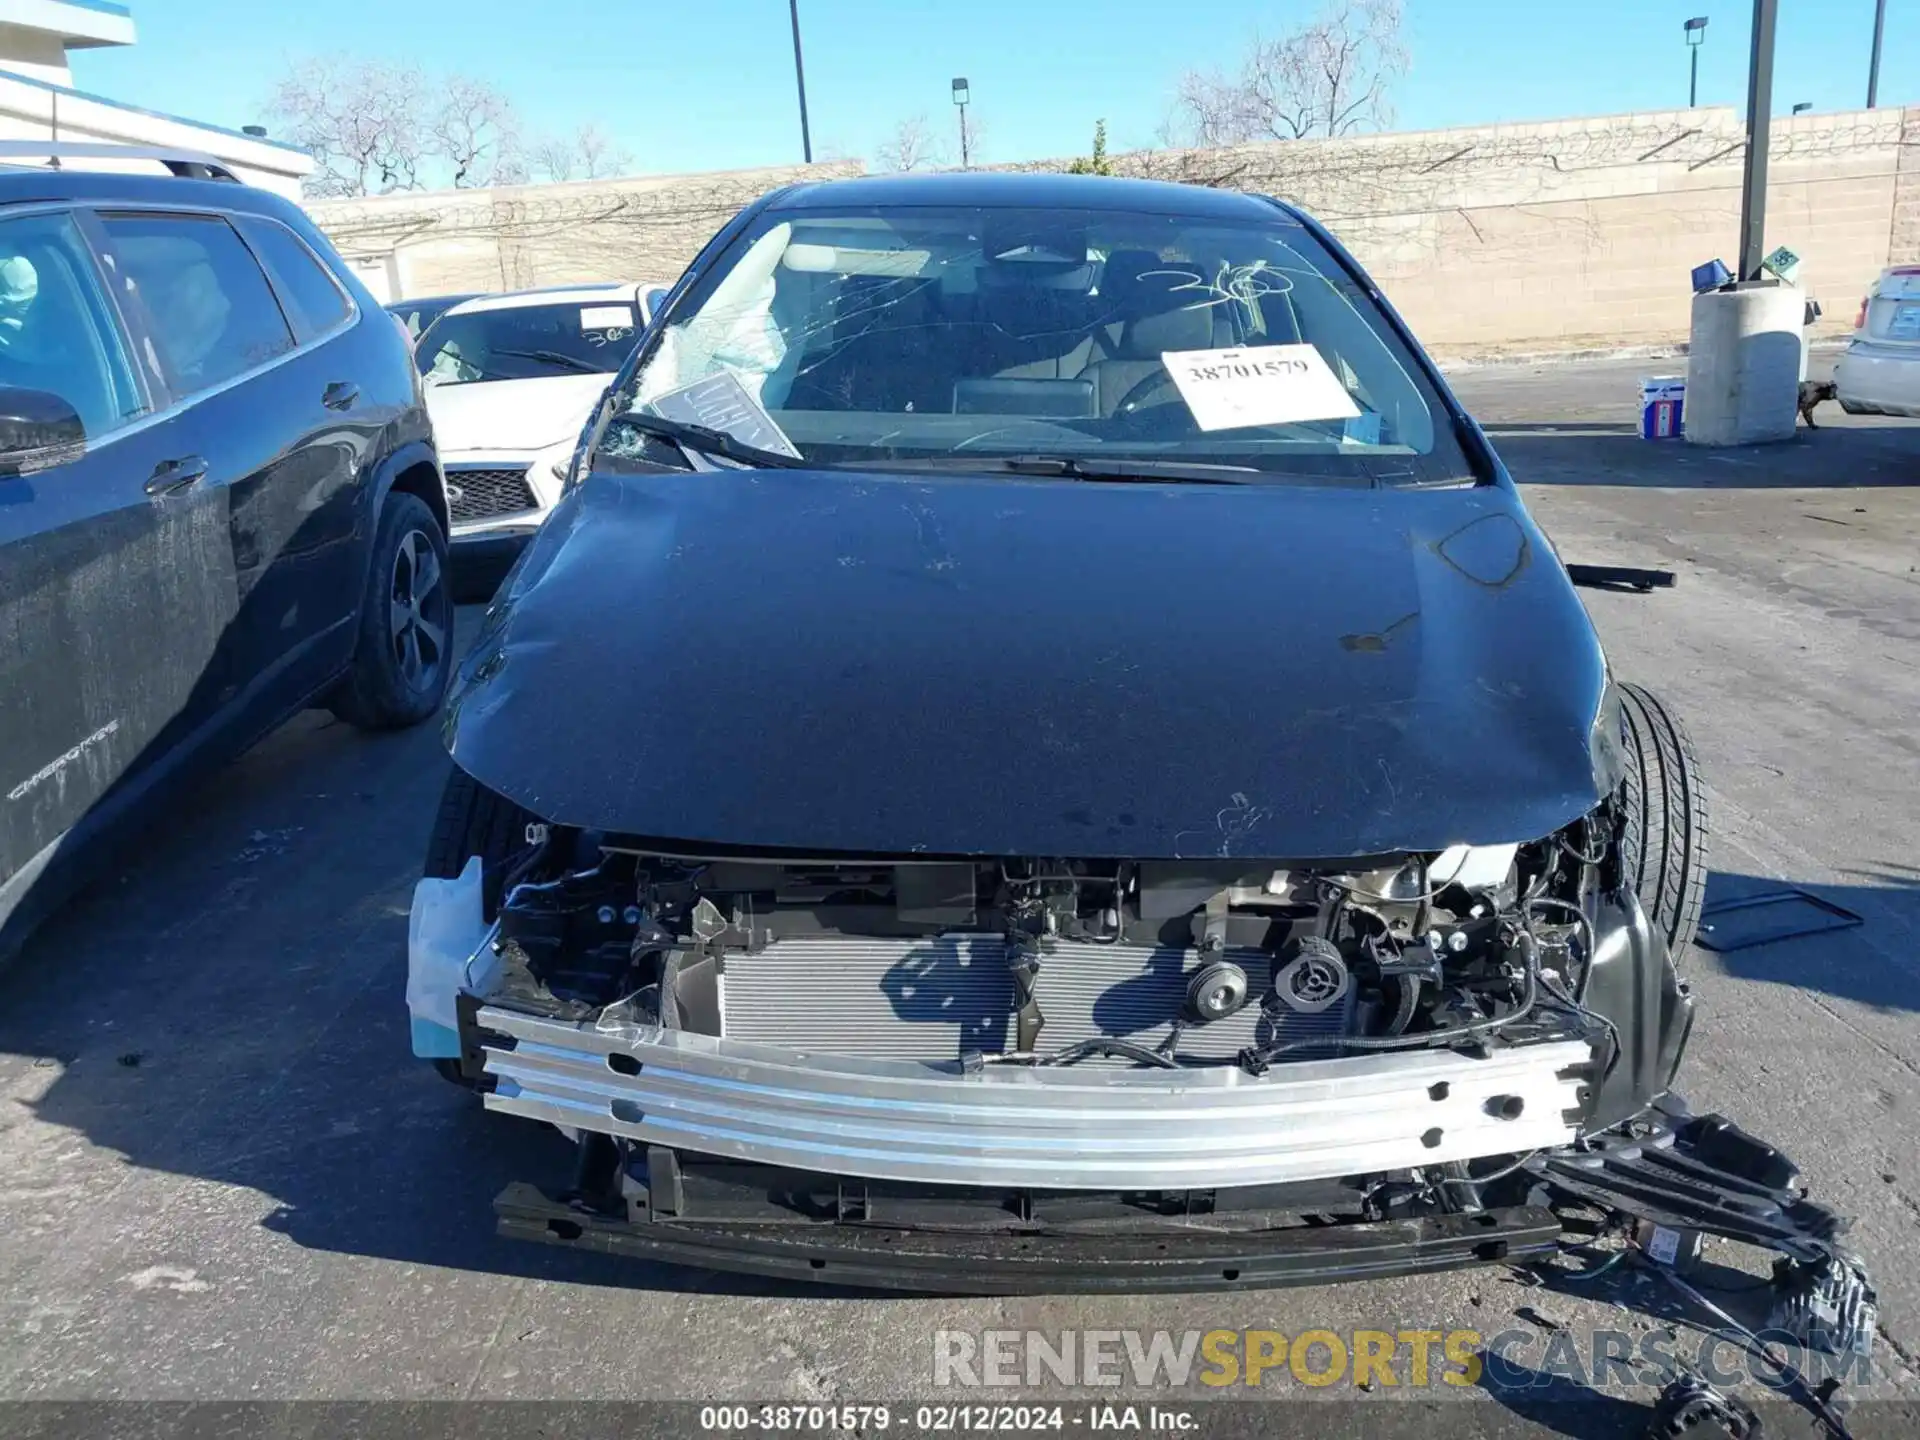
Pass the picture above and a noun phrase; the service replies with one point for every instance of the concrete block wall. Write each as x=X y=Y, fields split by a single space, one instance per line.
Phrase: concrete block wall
x=1903 y=241
x=525 y=236
x=1564 y=234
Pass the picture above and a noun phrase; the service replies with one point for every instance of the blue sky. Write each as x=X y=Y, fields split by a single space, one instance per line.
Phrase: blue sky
x=710 y=85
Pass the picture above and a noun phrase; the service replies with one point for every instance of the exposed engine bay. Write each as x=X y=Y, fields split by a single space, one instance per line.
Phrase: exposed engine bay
x=998 y=1074
x=1050 y=962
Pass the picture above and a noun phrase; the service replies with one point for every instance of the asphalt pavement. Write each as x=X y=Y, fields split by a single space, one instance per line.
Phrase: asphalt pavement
x=222 y=1176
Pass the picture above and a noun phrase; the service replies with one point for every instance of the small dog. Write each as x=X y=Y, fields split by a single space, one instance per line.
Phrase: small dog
x=1812 y=392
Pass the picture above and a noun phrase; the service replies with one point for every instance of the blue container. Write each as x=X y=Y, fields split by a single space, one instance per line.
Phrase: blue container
x=1710 y=276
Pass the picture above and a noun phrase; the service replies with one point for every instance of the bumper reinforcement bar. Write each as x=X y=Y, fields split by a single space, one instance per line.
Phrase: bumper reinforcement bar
x=957 y=1263
x=1033 y=1127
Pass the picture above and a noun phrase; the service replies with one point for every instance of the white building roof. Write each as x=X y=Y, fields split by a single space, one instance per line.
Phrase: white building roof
x=77 y=24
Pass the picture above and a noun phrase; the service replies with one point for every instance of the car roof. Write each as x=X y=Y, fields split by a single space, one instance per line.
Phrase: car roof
x=554 y=295
x=39 y=184
x=1005 y=189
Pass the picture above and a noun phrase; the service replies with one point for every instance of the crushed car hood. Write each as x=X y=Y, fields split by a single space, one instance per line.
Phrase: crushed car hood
x=512 y=414
x=839 y=661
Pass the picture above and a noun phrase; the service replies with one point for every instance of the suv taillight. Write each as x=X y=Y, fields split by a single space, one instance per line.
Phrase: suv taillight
x=1860 y=320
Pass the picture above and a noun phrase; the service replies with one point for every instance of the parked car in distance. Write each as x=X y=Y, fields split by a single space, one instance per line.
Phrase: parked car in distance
x=417 y=314
x=510 y=381
x=1099 y=741
x=219 y=503
x=1879 y=373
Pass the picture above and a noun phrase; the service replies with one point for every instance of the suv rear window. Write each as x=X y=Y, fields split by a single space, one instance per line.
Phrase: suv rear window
x=314 y=301
x=212 y=313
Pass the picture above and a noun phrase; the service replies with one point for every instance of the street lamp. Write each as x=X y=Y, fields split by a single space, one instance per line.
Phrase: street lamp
x=1696 y=31
x=960 y=97
x=800 y=79
x=1873 y=66
x=1803 y=107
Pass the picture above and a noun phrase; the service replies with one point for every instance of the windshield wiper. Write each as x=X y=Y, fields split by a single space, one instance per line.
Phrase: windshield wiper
x=701 y=439
x=554 y=357
x=1074 y=467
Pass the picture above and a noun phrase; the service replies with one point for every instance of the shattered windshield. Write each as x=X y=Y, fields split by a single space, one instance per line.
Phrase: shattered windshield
x=934 y=336
x=522 y=342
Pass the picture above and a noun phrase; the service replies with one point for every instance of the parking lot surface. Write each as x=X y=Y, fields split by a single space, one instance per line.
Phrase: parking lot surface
x=223 y=1176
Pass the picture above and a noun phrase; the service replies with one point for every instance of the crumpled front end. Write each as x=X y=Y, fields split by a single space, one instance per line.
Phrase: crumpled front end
x=964 y=1073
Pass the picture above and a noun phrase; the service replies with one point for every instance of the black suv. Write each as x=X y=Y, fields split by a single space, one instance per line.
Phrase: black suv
x=219 y=501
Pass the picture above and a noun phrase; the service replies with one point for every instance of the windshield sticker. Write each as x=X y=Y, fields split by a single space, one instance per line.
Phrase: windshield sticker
x=721 y=402
x=1258 y=385
x=606 y=317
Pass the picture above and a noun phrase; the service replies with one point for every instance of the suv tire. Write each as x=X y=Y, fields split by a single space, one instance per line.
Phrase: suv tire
x=404 y=659
x=1663 y=853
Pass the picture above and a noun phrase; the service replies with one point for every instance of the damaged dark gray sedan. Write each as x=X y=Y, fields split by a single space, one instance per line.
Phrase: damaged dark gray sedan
x=1042 y=750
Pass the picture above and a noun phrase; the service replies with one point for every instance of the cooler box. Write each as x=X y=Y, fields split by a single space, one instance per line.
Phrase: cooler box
x=1663 y=398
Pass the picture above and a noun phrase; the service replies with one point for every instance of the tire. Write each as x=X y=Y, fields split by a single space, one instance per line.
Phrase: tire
x=473 y=820
x=1663 y=851
x=403 y=660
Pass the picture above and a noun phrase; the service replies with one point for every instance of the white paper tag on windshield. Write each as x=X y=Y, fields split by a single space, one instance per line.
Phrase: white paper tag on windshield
x=721 y=402
x=606 y=317
x=1258 y=385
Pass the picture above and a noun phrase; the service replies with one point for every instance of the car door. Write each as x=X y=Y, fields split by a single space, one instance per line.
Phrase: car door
x=312 y=521
x=116 y=572
x=272 y=446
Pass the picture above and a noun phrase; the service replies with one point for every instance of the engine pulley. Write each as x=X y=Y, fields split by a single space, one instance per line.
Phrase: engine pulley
x=1217 y=990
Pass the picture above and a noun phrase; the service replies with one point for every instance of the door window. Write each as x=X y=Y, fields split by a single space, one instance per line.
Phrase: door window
x=57 y=333
x=210 y=311
x=313 y=300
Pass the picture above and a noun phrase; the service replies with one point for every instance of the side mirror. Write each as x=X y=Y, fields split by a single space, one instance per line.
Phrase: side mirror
x=38 y=429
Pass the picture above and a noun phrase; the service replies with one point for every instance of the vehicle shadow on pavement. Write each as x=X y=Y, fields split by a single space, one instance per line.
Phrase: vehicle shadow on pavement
x=1846 y=961
x=1592 y=453
x=227 y=1004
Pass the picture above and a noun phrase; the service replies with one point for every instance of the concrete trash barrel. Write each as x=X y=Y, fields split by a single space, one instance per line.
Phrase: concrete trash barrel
x=1744 y=364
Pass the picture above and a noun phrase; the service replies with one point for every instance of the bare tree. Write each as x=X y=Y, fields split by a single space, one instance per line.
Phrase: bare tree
x=972 y=132
x=1330 y=77
x=359 y=119
x=587 y=154
x=475 y=129
x=600 y=157
x=374 y=128
x=910 y=147
x=553 y=157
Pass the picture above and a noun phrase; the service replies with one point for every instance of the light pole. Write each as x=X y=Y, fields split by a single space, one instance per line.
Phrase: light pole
x=1753 y=183
x=800 y=79
x=960 y=96
x=1803 y=107
x=1873 y=67
x=1696 y=31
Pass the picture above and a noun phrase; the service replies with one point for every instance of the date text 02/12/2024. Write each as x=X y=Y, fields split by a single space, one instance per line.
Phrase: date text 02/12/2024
x=945 y=1419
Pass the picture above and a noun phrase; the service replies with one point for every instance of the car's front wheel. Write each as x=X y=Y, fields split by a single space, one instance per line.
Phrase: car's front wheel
x=404 y=657
x=1664 y=851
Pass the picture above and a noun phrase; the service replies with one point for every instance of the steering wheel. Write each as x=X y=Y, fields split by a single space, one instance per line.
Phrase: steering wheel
x=1145 y=386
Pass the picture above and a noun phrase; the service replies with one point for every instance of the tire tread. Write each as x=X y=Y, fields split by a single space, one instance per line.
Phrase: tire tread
x=1664 y=850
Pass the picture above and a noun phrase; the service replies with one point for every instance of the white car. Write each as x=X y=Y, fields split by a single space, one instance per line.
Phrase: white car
x=510 y=380
x=1880 y=372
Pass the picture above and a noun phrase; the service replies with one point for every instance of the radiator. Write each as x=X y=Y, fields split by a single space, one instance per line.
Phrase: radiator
x=932 y=999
